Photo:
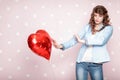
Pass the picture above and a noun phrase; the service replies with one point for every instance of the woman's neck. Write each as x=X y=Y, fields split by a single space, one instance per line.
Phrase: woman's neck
x=98 y=26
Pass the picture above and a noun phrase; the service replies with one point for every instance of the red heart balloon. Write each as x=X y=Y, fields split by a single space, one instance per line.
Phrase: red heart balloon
x=40 y=43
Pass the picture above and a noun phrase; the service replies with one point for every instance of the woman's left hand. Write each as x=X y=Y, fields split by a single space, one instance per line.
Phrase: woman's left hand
x=78 y=38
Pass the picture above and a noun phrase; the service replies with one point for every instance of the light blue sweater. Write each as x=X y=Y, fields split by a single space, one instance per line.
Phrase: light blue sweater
x=99 y=53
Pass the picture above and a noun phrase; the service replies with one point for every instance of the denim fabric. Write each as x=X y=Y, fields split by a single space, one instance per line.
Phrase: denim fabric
x=94 y=69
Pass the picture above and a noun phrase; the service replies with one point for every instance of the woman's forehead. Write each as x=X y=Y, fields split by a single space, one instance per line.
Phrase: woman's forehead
x=98 y=14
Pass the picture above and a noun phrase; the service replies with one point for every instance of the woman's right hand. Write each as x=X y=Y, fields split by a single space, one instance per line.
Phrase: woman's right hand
x=56 y=45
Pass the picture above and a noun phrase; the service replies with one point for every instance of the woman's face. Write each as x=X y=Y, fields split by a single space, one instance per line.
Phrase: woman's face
x=98 y=18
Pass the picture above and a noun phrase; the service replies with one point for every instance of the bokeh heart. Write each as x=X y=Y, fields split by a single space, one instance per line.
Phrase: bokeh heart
x=40 y=43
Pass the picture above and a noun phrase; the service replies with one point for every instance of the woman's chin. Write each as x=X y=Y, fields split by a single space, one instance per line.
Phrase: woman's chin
x=97 y=23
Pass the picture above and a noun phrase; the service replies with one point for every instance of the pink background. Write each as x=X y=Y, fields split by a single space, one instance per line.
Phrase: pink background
x=61 y=19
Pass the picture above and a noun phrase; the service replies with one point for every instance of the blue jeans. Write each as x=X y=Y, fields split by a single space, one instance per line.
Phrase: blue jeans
x=94 y=69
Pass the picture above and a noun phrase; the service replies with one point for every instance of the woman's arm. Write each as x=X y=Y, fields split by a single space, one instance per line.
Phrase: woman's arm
x=56 y=45
x=72 y=41
x=102 y=39
x=99 y=40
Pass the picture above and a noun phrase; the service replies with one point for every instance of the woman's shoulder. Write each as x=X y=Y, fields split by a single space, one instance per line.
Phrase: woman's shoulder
x=109 y=27
x=87 y=26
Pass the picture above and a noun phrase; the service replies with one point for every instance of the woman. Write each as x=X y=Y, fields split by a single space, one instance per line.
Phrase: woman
x=93 y=53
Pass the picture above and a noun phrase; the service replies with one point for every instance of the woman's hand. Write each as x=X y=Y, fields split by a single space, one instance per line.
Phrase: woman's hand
x=78 y=39
x=56 y=45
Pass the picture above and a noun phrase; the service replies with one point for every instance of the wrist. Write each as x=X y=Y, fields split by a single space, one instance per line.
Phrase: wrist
x=83 y=41
x=60 y=46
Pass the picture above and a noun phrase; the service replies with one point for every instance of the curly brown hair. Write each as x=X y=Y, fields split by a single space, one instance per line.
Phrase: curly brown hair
x=102 y=11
